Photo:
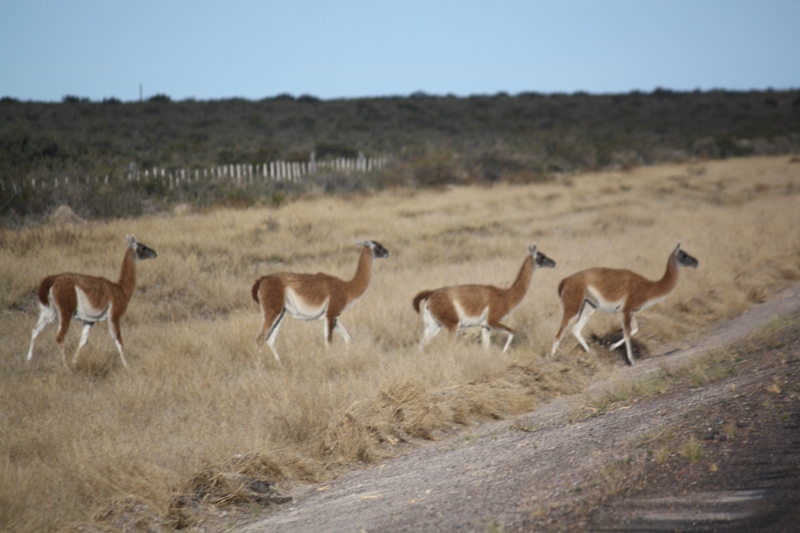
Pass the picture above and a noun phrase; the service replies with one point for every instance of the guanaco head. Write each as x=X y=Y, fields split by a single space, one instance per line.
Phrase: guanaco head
x=539 y=259
x=685 y=259
x=378 y=251
x=141 y=250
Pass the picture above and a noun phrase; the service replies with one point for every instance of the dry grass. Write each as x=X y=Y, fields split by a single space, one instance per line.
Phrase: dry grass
x=692 y=450
x=100 y=445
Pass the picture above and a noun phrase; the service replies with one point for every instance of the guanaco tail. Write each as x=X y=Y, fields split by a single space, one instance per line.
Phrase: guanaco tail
x=613 y=290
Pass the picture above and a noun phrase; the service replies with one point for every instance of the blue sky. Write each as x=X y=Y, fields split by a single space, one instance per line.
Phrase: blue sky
x=359 y=48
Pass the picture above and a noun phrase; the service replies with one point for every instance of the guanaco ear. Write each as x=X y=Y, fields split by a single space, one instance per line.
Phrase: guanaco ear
x=677 y=247
x=532 y=249
x=131 y=241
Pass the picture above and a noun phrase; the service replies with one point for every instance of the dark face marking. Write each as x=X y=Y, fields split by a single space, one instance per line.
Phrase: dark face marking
x=686 y=260
x=143 y=252
x=542 y=261
x=378 y=251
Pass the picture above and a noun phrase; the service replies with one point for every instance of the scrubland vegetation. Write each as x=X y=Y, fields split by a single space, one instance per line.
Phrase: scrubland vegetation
x=429 y=141
x=104 y=449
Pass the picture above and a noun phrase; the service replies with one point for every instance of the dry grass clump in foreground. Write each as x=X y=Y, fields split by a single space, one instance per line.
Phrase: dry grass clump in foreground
x=104 y=446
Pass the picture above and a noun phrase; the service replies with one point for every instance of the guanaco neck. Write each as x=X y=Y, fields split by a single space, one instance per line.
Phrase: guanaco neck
x=669 y=280
x=514 y=294
x=358 y=285
x=127 y=277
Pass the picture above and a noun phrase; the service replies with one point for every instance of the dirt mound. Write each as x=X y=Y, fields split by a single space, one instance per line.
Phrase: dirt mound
x=64 y=215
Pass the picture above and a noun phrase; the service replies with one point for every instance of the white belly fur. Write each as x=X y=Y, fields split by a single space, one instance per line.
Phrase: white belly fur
x=601 y=304
x=86 y=312
x=467 y=320
x=299 y=309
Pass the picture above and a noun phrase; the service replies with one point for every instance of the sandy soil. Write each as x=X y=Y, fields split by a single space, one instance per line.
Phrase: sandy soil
x=566 y=468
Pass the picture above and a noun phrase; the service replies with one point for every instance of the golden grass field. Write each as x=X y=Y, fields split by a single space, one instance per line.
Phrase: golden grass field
x=100 y=444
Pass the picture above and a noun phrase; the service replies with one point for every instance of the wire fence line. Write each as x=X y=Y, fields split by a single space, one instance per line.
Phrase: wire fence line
x=238 y=174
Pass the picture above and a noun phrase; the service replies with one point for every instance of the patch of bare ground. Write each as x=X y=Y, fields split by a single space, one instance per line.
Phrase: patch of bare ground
x=707 y=441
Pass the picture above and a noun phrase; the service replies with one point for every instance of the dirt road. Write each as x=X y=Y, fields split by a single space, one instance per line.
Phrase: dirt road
x=723 y=455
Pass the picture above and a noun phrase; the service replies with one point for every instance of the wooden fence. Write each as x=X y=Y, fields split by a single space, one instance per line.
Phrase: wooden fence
x=240 y=174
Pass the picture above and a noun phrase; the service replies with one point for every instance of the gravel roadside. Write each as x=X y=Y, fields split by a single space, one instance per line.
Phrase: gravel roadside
x=625 y=469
